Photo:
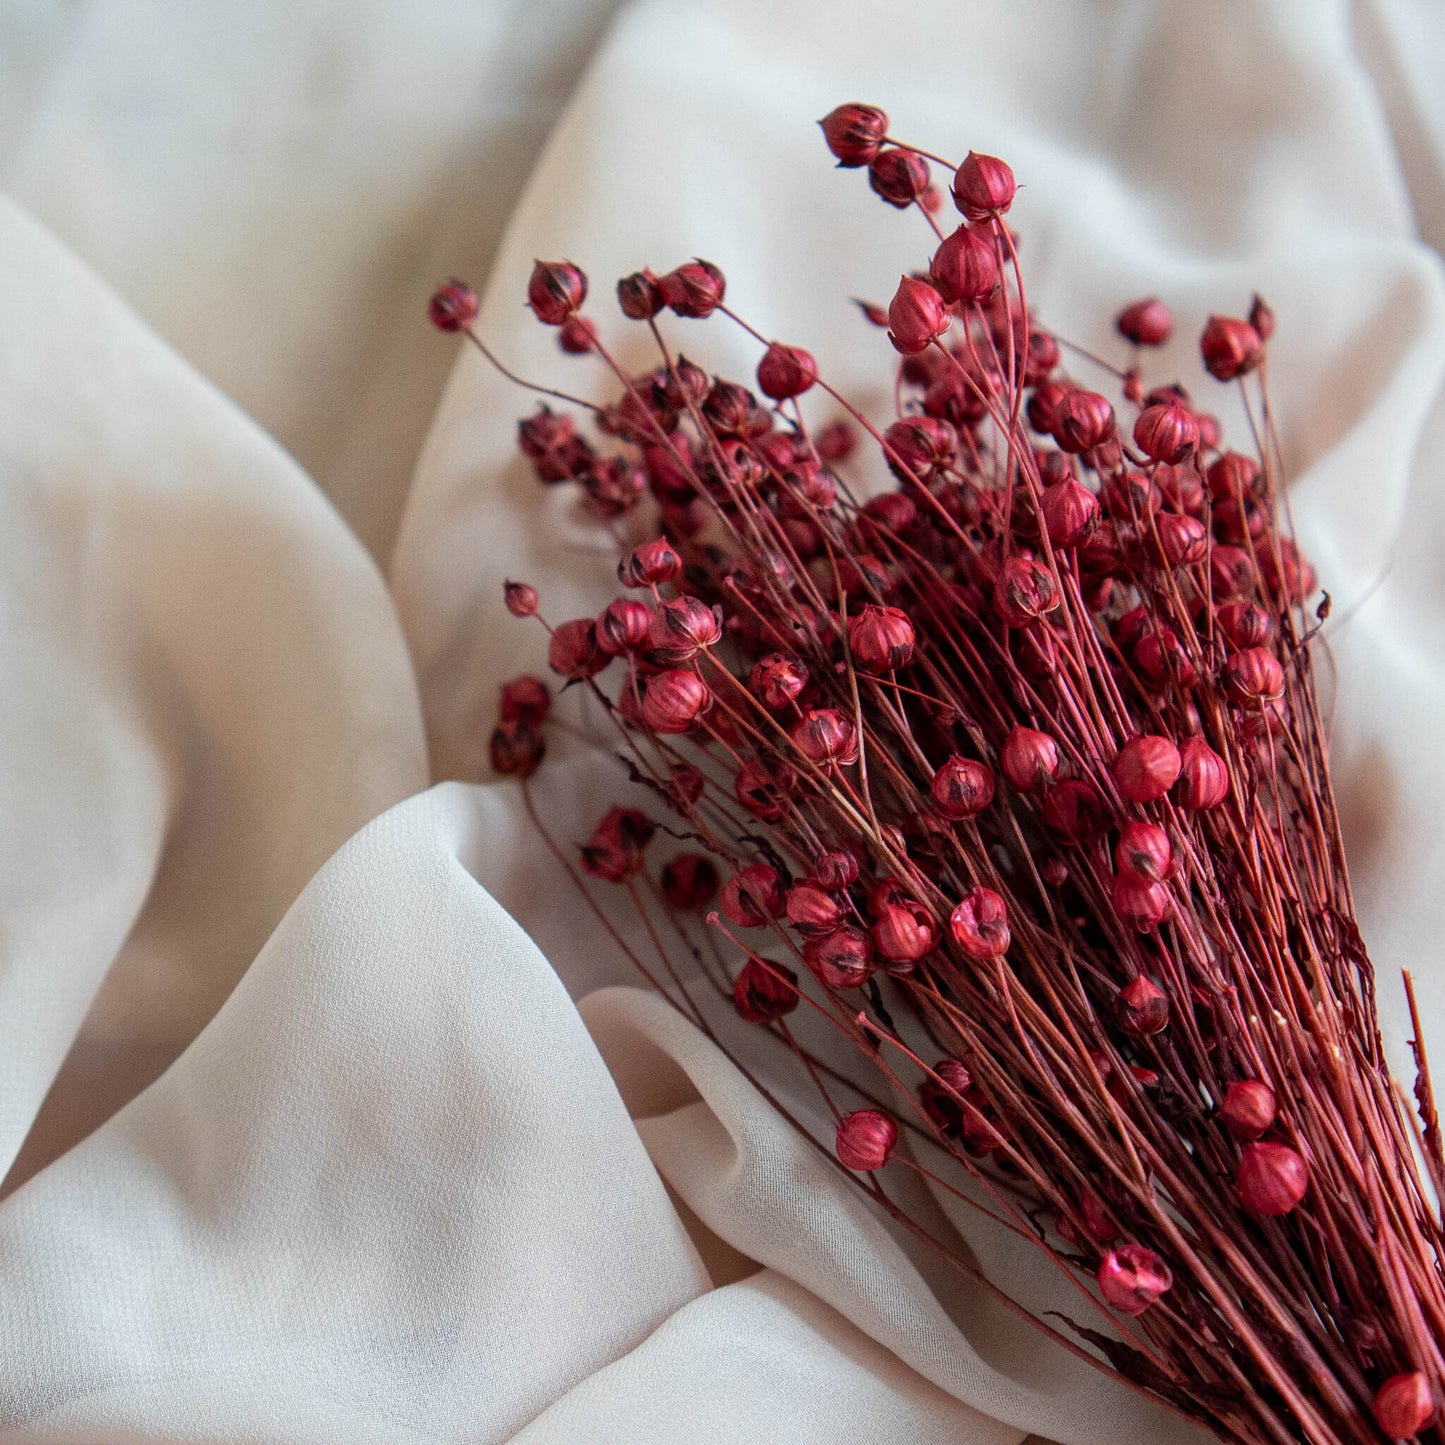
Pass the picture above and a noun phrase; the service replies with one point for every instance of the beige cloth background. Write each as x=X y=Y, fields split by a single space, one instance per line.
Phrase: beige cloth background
x=395 y=1184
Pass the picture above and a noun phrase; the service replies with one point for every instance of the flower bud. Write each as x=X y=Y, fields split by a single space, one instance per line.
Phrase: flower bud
x=453 y=306
x=962 y=788
x=639 y=296
x=1253 y=677
x=753 y=896
x=903 y=932
x=521 y=598
x=690 y=881
x=525 y=699
x=623 y=626
x=965 y=267
x=827 y=737
x=1203 y=776
x=649 y=565
x=842 y=958
x=516 y=748
x=695 y=289
x=1144 y=853
x=898 y=176
x=1167 y=433
x=614 y=851
x=1069 y=510
x=684 y=626
x=916 y=316
x=555 y=291
x=1141 y=1008
x=983 y=187
x=674 y=701
x=1146 y=323
x=1024 y=591
x=1244 y=624
x=1029 y=759
x=979 y=925
x=1146 y=768
x=880 y=638
x=1405 y=1405
x=1271 y=1178
x=573 y=651
x=1075 y=811
x=764 y=992
x=1248 y=1108
x=1230 y=347
x=1132 y=1277
x=865 y=1140
x=854 y=132
x=1081 y=420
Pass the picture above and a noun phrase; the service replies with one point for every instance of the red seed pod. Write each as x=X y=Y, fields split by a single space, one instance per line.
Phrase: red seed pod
x=1231 y=571
x=1163 y=660
x=544 y=432
x=1143 y=906
x=865 y=1140
x=1203 y=776
x=1132 y=1277
x=1262 y=318
x=904 y=932
x=1070 y=511
x=1082 y=420
x=684 y=626
x=1230 y=347
x=1182 y=489
x=521 y=598
x=1030 y=759
x=837 y=441
x=965 y=268
x=812 y=910
x=881 y=638
x=1248 y=1108
x=918 y=447
x=573 y=651
x=1239 y=520
x=639 y=296
x=556 y=289
x=1405 y=1405
x=836 y=869
x=695 y=289
x=1253 y=677
x=916 y=316
x=1183 y=540
x=1024 y=591
x=1043 y=404
x=764 y=991
x=898 y=176
x=1146 y=768
x=674 y=701
x=1141 y=1008
x=650 y=565
x=1096 y=1222
x=962 y=788
x=765 y=793
x=1167 y=433
x=841 y=959
x=854 y=132
x=1075 y=811
x=453 y=306
x=1271 y=1178
x=690 y=881
x=516 y=748
x=940 y=1096
x=525 y=699
x=1144 y=853
x=1244 y=624
x=777 y=679
x=623 y=626
x=753 y=896
x=1232 y=477
x=578 y=336
x=979 y=924
x=827 y=737
x=614 y=851
x=684 y=787
x=1285 y=573
x=983 y=187
x=1146 y=323
x=786 y=371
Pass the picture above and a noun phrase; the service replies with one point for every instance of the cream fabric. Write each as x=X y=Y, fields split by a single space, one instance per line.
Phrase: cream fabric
x=395 y=1184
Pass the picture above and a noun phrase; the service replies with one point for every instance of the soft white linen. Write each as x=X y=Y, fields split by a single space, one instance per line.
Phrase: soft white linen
x=400 y=1187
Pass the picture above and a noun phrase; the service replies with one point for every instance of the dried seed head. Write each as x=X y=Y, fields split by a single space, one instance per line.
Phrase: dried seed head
x=827 y=737
x=765 y=792
x=965 y=267
x=1096 y=1222
x=1075 y=811
x=764 y=992
x=855 y=132
x=650 y=565
x=1070 y=511
x=813 y=910
x=837 y=441
x=1253 y=677
x=836 y=869
x=1244 y=624
x=1030 y=759
x=573 y=651
x=516 y=748
x=1082 y=420
x=521 y=598
x=1024 y=591
x=904 y=932
x=674 y=701
x=1184 y=541
x=777 y=679
x=1163 y=659
x=1271 y=1178
x=623 y=626
x=917 y=447
x=614 y=851
x=1141 y=1008
x=1405 y=1405
x=1146 y=323
x=578 y=336
x=1144 y=853
x=917 y=315
x=786 y=371
x=881 y=638
x=1140 y=905
x=453 y=306
x=1132 y=1277
x=1167 y=433
x=525 y=699
x=753 y=896
x=556 y=289
x=841 y=959
x=1203 y=776
x=695 y=289
x=690 y=881
x=962 y=788
x=865 y=1140
x=983 y=187
x=940 y=1096
x=639 y=296
x=979 y=925
x=1230 y=347
x=1248 y=1108
x=1146 y=768
x=683 y=627
x=898 y=176
x=1262 y=318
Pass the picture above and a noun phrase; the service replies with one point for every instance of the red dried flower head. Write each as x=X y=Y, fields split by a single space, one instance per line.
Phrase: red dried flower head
x=813 y=910
x=1081 y=420
x=917 y=447
x=786 y=371
x=1144 y=853
x=623 y=626
x=880 y=638
x=1141 y=1008
x=650 y=565
x=753 y=896
x=827 y=737
x=1069 y=510
x=841 y=959
x=898 y=176
x=765 y=793
x=525 y=699
x=516 y=748
x=866 y=1140
x=1168 y=433
x=1405 y=1405
x=674 y=701
x=1146 y=323
x=1232 y=477
x=695 y=289
x=764 y=992
x=777 y=680
x=1230 y=347
x=1231 y=571
x=1184 y=541
x=1271 y=1178
x=979 y=925
x=453 y=306
x=1244 y=624
x=1132 y=1277
x=854 y=132
x=556 y=289
x=917 y=315
x=1248 y=1108
x=1146 y=768
x=1253 y=677
x=1203 y=776
x=962 y=788
x=836 y=869
x=941 y=1096
x=639 y=296
x=1163 y=660
x=837 y=441
x=1024 y=591
x=983 y=187
x=965 y=267
x=521 y=598
x=684 y=626
x=614 y=851
x=690 y=881
x=578 y=336
x=903 y=932
x=1029 y=759
x=1075 y=811
x=573 y=651
x=1262 y=318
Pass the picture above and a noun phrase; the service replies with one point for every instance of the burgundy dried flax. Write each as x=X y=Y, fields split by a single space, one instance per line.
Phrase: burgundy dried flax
x=1013 y=774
